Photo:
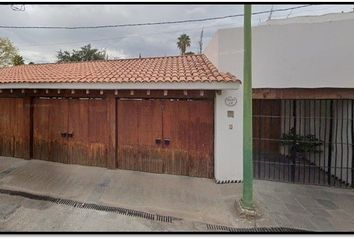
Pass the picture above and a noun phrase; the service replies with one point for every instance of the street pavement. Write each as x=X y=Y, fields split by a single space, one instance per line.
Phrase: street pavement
x=194 y=204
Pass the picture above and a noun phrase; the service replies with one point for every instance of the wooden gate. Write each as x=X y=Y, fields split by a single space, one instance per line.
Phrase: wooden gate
x=70 y=131
x=14 y=132
x=166 y=136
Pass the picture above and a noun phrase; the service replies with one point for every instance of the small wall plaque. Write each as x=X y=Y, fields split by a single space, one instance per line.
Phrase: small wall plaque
x=230 y=114
x=230 y=101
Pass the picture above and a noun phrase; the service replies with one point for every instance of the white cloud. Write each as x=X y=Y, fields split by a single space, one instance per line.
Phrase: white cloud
x=41 y=45
x=37 y=56
x=116 y=54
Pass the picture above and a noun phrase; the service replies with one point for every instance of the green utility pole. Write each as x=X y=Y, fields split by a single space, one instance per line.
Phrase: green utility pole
x=247 y=198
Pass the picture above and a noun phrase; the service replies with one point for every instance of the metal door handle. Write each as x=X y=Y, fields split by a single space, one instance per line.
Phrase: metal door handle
x=158 y=140
x=167 y=141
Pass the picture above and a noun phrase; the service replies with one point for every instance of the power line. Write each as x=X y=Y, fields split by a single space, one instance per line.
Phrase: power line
x=123 y=36
x=150 y=23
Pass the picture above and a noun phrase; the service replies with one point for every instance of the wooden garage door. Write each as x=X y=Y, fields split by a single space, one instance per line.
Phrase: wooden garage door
x=14 y=137
x=166 y=136
x=70 y=131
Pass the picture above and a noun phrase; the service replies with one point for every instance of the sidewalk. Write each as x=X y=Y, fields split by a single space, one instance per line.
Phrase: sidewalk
x=191 y=199
x=194 y=199
x=316 y=208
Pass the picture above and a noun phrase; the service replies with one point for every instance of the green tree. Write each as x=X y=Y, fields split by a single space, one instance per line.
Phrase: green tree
x=17 y=60
x=85 y=53
x=301 y=143
x=7 y=52
x=183 y=43
x=189 y=53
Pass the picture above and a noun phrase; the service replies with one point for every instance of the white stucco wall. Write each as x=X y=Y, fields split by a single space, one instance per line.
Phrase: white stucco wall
x=304 y=52
x=228 y=138
x=228 y=145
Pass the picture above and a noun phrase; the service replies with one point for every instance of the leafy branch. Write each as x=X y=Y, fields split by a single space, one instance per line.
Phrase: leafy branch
x=301 y=143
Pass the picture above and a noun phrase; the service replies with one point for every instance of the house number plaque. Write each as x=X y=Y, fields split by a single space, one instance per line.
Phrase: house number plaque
x=230 y=101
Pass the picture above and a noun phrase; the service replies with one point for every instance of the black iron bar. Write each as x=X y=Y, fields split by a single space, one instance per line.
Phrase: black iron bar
x=352 y=127
x=314 y=154
x=347 y=135
x=325 y=140
x=341 y=144
x=286 y=150
x=299 y=132
x=319 y=137
x=282 y=113
x=292 y=150
x=336 y=144
x=325 y=163
x=309 y=106
x=268 y=153
x=261 y=142
x=304 y=132
x=259 y=139
x=330 y=143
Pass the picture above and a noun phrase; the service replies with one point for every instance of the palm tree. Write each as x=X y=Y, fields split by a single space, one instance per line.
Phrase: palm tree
x=183 y=42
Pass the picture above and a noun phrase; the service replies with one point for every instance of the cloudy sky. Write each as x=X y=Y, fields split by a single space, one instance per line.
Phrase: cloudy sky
x=40 y=45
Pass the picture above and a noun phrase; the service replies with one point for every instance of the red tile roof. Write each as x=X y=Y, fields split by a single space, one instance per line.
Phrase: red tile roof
x=191 y=68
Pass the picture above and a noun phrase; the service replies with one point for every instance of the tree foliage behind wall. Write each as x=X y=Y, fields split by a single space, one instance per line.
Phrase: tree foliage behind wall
x=85 y=53
x=7 y=52
x=17 y=60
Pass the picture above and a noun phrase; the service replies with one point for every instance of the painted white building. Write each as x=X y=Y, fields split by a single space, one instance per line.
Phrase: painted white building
x=298 y=58
x=302 y=52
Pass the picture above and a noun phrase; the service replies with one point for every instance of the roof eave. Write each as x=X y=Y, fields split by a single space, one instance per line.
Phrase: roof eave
x=232 y=85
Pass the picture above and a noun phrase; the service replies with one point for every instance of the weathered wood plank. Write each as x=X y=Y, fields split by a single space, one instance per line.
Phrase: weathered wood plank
x=41 y=132
x=184 y=129
x=14 y=125
x=139 y=126
x=112 y=131
x=27 y=127
x=58 y=124
x=85 y=120
x=266 y=125
x=189 y=125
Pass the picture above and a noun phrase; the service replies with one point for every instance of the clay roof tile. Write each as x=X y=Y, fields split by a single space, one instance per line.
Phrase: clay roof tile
x=193 y=68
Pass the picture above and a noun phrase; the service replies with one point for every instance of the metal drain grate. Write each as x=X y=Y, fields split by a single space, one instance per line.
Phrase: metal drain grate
x=212 y=227
x=166 y=218
x=93 y=206
x=140 y=214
